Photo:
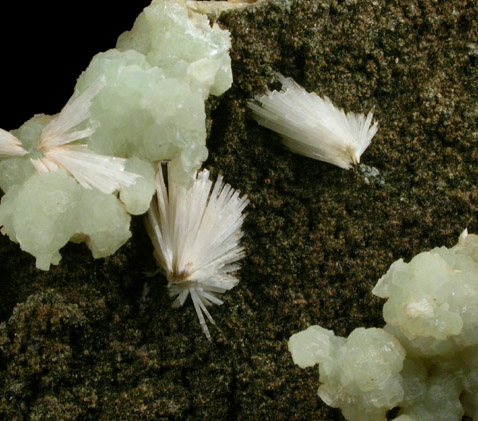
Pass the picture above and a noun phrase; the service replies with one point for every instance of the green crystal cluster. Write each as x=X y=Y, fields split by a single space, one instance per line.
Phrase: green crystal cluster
x=358 y=374
x=150 y=109
x=425 y=360
x=157 y=80
x=49 y=210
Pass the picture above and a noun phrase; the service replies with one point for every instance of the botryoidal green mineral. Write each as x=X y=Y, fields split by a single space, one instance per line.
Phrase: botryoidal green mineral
x=51 y=209
x=157 y=80
x=150 y=108
x=424 y=361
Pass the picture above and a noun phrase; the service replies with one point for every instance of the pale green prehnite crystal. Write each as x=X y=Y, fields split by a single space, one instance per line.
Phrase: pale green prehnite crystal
x=359 y=375
x=157 y=80
x=137 y=197
x=432 y=314
x=184 y=44
x=48 y=210
x=43 y=212
x=150 y=107
x=432 y=308
x=432 y=304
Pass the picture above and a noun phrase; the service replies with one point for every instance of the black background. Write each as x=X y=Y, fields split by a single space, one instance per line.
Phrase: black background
x=45 y=47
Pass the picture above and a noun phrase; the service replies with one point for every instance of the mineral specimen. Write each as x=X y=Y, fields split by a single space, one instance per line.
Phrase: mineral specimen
x=432 y=304
x=70 y=197
x=196 y=233
x=314 y=127
x=358 y=374
x=432 y=316
x=139 y=103
x=55 y=148
x=48 y=210
x=157 y=80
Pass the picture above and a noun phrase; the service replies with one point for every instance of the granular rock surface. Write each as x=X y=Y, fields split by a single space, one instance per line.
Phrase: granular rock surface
x=98 y=339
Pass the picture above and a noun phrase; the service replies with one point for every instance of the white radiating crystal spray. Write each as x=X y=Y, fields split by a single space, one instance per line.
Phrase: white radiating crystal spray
x=91 y=170
x=314 y=127
x=137 y=104
x=69 y=199
x=196 y=233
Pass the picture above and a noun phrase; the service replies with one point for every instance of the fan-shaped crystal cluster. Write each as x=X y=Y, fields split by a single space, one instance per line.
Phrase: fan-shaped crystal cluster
x=59 y=190
x=196 y=233
x=313 y=126
x=432 y=323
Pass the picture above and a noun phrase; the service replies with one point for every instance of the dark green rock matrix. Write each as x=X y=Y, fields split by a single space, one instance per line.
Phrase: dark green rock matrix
x=98 y=339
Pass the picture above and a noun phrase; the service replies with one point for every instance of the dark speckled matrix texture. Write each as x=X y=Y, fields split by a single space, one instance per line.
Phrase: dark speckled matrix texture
x=98 y=339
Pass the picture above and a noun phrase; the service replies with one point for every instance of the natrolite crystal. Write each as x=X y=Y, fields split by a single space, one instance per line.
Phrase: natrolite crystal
x=432 y=330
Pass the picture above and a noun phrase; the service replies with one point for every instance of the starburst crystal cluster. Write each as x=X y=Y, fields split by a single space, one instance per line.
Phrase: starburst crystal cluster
x=55 y=148
x=57 y=189
x=314 y=127
x=432 y=328
x=196 y=234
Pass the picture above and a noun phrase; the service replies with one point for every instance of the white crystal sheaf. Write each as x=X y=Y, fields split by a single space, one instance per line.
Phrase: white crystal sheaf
x=58 y=147
x=58 y=190
x=91 y=170
x=313 y=126
x=135 y=105
x=196 y=234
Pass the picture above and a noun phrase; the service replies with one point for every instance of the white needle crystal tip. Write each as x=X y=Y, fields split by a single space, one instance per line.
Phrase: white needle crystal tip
x=10 y=145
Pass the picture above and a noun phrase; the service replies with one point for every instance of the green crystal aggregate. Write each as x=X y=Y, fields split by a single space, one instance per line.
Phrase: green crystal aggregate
x=157 y=80
x=151 y=109
x=425 y=360
x=358 y=374
x=432 y=304
x=48 y=210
